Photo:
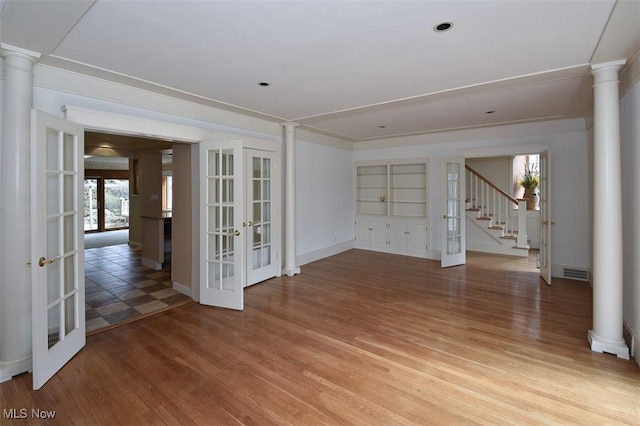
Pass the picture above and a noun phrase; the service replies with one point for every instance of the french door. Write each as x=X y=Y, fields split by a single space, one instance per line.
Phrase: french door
x=260 y=223
x=545 y=219
x=221 y=212
x=453 y=225
x=57 y=245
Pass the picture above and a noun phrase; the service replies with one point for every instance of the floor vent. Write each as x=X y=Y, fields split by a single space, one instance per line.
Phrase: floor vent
x=54 y=336
x=576 y=274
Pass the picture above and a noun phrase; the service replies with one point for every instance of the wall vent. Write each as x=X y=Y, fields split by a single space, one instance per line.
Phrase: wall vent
x=575 y=274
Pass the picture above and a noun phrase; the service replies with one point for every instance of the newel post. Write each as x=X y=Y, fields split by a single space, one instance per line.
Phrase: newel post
x=521 y=240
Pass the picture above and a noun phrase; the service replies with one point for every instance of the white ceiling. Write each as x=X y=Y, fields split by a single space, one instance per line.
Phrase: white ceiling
x=357 y=69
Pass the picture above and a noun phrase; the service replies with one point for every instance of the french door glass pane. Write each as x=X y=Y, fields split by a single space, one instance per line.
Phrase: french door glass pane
x=116 y=203
x=261 y=199
x=454 y=237
x=220 y=224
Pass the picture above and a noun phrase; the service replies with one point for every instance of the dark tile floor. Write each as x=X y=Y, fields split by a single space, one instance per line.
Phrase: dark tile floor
x=118 y=287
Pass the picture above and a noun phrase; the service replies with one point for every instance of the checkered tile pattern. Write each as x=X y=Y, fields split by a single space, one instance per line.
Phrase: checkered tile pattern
x=118 y=287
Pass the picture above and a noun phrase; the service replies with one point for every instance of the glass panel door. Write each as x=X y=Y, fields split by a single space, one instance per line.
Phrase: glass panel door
x=453 y=246
x=259 y=223
x=57 y=246
x=545 y=219
x=220 y=219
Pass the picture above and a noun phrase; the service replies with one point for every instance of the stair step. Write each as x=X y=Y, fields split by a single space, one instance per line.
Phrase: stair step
x=501 y=227
x=509 y=237
x=484 y=218
x=473 y=209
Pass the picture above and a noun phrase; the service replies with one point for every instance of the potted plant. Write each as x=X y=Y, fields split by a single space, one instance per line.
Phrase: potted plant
x=530 y=181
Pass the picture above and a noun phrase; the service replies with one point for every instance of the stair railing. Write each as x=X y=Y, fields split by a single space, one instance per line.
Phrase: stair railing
x=495 y=205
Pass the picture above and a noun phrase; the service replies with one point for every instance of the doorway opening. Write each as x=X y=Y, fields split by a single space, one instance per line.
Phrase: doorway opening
x=118 y=287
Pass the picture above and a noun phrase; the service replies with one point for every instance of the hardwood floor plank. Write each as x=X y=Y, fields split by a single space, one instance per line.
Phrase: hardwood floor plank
x=359 y=338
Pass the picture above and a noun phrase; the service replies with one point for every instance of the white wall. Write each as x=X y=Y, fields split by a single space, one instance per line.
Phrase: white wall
x=630 y=150
x=496 y=169
x=324 y=198
x=570 y=199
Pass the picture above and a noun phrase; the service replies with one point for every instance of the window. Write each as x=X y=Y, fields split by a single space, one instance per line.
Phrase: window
x=167 y=194
x=106 y=200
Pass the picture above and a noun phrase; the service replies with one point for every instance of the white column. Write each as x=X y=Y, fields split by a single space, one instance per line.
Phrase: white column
x=290 y=266
x=606 y=335
x=15 y=190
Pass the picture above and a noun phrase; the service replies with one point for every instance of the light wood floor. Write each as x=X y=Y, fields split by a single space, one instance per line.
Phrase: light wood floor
x=358 y=338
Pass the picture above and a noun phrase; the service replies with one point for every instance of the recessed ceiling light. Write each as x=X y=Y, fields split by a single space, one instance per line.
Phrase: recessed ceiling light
x=264 y=84
x=443 y=26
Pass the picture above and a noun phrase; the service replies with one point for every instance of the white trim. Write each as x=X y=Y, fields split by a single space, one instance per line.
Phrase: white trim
x=612 y=64
x=305 y=135
x=312 y=256
x=135 y=245
x=9 y=369
x=635 y=339
x=182 y=288
x=499 y=151
x=9 y=48
x=434 y=254
x=630 y=74
x=151 y=264
x=535 y=129
x=127 y=124
x=152 y=98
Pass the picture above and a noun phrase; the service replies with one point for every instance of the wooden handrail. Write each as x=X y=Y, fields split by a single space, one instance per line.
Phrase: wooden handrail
x=513 y=200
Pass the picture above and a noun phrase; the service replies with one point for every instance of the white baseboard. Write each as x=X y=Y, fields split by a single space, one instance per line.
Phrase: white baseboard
x=151 y=264
x=8 y=369
x=633 y=340
x=182 y=289
x=312 y=256
x=135 y=245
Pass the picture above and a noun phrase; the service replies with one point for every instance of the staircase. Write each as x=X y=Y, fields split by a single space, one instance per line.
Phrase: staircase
x=496 y=222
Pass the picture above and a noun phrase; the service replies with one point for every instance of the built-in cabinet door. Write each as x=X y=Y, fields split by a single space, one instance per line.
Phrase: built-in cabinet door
x=363 y=232
x=398 y=236
x=221 y=214
x=379 y=235
x=57 y=244
x=260 y=224
x=417 y=238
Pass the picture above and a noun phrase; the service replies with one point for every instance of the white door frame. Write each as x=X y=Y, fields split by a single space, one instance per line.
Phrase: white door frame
x=502 y=150
x=110 y=122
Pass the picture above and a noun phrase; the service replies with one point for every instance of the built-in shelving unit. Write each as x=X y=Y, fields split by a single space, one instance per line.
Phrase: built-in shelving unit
x=391 y=206
x=372 y=189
